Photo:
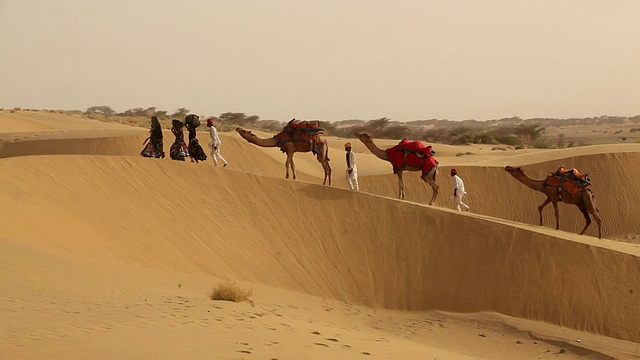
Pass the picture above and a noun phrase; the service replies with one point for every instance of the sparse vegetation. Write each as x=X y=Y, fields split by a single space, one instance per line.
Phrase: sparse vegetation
x=230 y=291
x=512 y=132
x=544 y=144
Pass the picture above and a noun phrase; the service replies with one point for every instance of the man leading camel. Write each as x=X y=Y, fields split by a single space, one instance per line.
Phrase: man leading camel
x=458 y=191
x=215 y=143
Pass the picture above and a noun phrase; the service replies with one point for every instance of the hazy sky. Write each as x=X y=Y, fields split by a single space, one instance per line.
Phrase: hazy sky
x=325 y=59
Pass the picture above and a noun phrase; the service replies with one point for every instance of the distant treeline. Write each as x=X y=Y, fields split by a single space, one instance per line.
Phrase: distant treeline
x=513 y=131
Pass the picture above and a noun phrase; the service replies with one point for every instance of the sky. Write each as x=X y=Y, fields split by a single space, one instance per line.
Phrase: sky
x=325 y=59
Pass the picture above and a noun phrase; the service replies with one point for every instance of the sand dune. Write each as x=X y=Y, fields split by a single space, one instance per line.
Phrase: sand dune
x=107 y=254
x=493 y=192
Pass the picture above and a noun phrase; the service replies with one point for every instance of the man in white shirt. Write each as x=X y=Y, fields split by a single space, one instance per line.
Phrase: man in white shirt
x=215 y=143
x=458 y=191
x=352 y=170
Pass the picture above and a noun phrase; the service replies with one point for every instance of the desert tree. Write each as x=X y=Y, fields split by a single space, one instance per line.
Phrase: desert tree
x=104 y=110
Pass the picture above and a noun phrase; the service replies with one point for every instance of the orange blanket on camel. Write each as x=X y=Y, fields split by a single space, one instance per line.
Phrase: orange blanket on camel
x=570 y=180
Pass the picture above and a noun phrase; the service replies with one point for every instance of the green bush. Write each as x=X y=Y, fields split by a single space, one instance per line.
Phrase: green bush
x=465 y=137
x=544 y=144
x=508 y=140
x=486 y=138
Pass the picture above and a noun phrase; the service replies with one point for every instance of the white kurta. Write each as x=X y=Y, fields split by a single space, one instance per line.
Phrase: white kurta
x=214 y=145
x=352 y=177
x=458 y=184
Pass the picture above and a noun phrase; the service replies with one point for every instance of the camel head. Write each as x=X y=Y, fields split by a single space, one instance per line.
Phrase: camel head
x=363 y=136
x=246 y=134
x=513 y=170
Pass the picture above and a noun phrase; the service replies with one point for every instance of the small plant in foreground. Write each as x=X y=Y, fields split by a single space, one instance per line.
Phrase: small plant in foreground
x=230 y=291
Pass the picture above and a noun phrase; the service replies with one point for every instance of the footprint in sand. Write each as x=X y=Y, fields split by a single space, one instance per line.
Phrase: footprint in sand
x=332 y=339
x=315 y=333
x=321 y=344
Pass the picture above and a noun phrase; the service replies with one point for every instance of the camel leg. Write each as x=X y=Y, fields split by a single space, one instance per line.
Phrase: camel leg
x=599 y=223
x=591 y=208
x=541 y=207
x=324 y=181
x=293 y=167
x=400 y=186
x=555 y=209
x=327 y=171
x=430 y=179
x=584 y=212
x=287 y=164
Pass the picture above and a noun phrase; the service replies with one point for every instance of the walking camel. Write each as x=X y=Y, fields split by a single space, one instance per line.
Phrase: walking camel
x=429 y=178
x=290 y=148
x=584 y=200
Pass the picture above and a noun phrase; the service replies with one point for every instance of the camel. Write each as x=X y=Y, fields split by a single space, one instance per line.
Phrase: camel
x=290 y=148
x=429 y=178
x=584 y=200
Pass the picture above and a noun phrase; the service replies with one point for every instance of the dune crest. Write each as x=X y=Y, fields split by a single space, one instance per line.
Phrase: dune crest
x=122 y=252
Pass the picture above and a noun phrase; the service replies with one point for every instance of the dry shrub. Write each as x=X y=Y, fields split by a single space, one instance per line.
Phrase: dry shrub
x=230 y=291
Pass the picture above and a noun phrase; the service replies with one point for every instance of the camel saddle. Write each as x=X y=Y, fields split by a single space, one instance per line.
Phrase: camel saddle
x=414 y=154
x=311 y=127
x=301 y=132
x=570 y=180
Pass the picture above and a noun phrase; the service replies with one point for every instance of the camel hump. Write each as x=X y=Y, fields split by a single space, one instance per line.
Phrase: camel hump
x=303 y=126
x=416 y=147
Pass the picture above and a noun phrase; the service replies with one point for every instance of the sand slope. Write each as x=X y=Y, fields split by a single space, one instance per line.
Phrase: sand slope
x=106 y=254
x=494 y=192
x=274 y=232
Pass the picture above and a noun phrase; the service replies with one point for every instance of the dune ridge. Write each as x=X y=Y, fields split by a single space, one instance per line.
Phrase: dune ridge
x=495 y=193
x=106 y=254
x=451 y=262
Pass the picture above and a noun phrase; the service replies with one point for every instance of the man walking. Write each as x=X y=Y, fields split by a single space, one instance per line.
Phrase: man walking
x=215 y=143
x=352 y=170
x=458 y=191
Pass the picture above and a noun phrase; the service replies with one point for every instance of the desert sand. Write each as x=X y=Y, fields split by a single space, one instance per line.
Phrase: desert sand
x=109 y=255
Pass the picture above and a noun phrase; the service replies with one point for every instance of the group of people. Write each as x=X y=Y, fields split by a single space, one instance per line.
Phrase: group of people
x=179 y=149
x=351 y=175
